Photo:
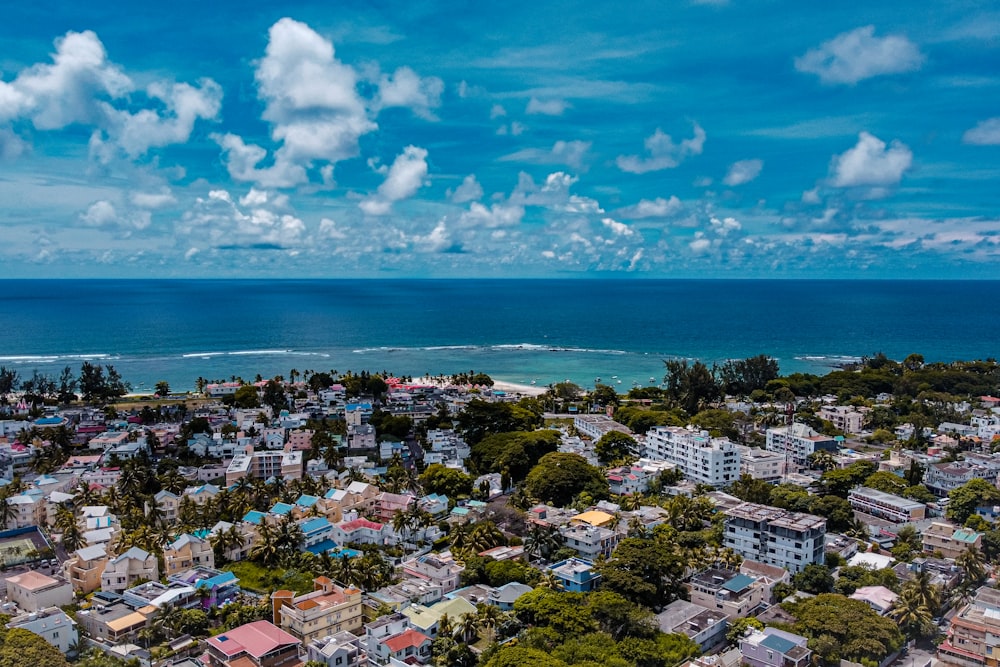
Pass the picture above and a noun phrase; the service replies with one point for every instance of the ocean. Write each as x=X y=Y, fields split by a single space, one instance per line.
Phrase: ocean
x=523 y=331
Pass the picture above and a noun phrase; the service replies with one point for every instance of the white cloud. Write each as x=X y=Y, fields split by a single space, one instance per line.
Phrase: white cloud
x=553 y=107
x=402 y=181
x=105 y=215
x=618 y=228
x=515 y=129
x=663 y=152
x=871 y=163
x=811 y=196
x=655 y=208
x=857 y=55
x=497 y=111
x=743 y=171
x=137 y=132
x=469 y=190
x=700 y=245
x=254 y=197
x=493 y=216
x=724 y=226
x=152 y=199
x=986 y=133
x=570 y=153
x=329 y=229
x=405 y=88
x=221 y=222
x=312 y=103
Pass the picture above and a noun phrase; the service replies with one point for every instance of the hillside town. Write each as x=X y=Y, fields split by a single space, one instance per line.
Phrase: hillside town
x=728 y=516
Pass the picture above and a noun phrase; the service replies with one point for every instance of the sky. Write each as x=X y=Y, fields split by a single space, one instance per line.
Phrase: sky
x=705 y=138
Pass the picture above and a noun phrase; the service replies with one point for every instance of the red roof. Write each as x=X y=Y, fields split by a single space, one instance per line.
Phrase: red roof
x=360 y=523
x=257 y=639
x=404 y=640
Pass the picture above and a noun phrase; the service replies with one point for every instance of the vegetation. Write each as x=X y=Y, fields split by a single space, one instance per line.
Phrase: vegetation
x=560 y=477
x=841 y=628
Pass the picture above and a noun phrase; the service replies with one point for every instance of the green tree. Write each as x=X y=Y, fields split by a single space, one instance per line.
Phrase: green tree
x=604 y=395
x=162 y=389
x=246 y=397
x=481 y=418
x=616 y=446
x=855 y=630
x=447 y=481
x=965 y=499
x=741 y=377
x=559 y=477
x=690 y=387
x=21 y=648
x=739 y=627
x=752 y=490
x=814 y=578
x=644 y=571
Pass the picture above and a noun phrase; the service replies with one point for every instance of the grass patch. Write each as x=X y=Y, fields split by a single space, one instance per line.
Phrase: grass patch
x=262 y=580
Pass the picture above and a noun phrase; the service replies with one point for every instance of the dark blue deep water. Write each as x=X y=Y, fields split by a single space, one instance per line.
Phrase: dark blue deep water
x=516 y=330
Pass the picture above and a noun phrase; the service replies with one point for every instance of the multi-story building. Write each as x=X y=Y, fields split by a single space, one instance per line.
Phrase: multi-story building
x=702 y=458
x=32 y=591
x=762 y=464
x=340 y=650
x=595 y=426
x=84 y=568
x=264 y=465
x=973 y=640
x=588 y=541
x=576 y=575
x=114 y=623
x=735 y=594
x=775 y=536
x=950 y=540
x=326 y=611
x=257 y=644
x=186 y=552
x=434 y=569
x=797 y=442
x=123 y=571
x=706 y=627
x=846 y=418
x=942 y=478
x=51 y=624
x=886 y=505
x=772 y=647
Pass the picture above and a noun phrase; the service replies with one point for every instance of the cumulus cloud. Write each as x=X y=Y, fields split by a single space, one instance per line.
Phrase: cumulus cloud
x=871 y=163
x=723 y=226
x=553 y=107
x=497 y=111
x=569 y=153
x=405 y=88
x=402 y=181
x=856 y=55
x=249 y=223
x=152 y=199
x=663 y=152
x=986 y=133
x=515 y=129
x=503 y=214
x=743 y=171
x=105 y=215
x=652 y=208
x=617 y=228
x=469 y=190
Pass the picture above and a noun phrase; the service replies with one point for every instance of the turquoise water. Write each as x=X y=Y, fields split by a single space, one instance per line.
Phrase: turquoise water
x=516 y=330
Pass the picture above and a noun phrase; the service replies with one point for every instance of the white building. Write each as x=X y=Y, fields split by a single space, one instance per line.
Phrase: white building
x=51 y=624
x=775 y=536
x=702 y=459
x=123 y=571
x=594 y=426
x=847 y=418
x=762 y=464
x=886 y=505
x=798 y=442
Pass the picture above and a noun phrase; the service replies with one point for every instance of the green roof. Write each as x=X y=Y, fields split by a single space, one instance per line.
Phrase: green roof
x=776 y=643
x=738 y=583
x=966 y=536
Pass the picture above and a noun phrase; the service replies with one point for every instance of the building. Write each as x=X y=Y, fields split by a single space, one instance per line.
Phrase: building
x=51 y=624
x=576 y=575
x=595 y=426
x=772 y=647
x=706 y=627
x=257 y=644
x=775 y=536
x=846 y=418
x=219 y=587
x=32 y=591
x=973 y=639
x=328 y=610
x=878 y=598
x=84 y=568
x=426 y=620
x=762 y=464
x=113 y=623
x=702 y=459
x=589 y=541
x=797 y=442
x=734 y=594
x=340 y=650
x=123 y=571
x=767 y=577
x=943 y=478
x=434 y=569
x=886 y=505
x=186 y=552
x=408 y=647
x=505 y=596
x=950 y=540
x=264 y=465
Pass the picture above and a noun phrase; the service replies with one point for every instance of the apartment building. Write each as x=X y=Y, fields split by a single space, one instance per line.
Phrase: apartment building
x=762 y=464
x=33 y=591
x=797 y=442
x=950 y=540
x=772 y=647
x=595 y=426
x=886 y=505
x=775 y=536
x=264 y=465
x=734 y=594
x=186 y=552
x=588 y=541
x=328 y=610
x=339 y=650
x=51 y=624
x=702 y=458
x=846 y=418
x=123 y=571
x=973 y=639
x=84 y=568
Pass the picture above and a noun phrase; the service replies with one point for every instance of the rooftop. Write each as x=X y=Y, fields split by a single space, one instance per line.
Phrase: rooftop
x=258 y=638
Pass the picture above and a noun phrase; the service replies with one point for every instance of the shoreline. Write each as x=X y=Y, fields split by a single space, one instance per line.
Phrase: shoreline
x=501 y=385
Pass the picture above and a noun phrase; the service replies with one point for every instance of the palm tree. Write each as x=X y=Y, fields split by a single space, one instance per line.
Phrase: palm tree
x=972 y=563
x=928 y=593
x=488 y=618
x=346 y=570
x=485 y=536
x=636 y=528
x=911 y=614
x=550 y=580
x=403 y=522
x=631 y=502
x=266 y=549
x=542 y=541
x=7 y=512
x=464 y=628
x=822 y=460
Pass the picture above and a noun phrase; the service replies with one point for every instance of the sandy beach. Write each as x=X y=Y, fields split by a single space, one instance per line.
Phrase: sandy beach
x=509 y=387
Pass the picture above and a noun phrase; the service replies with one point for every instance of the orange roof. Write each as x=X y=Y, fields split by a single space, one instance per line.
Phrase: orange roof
x=404 y=640
x=33 y=581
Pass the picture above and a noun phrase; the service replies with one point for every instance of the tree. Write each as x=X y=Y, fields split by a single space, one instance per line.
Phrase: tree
x=644 y=571
x=739 y=627
x=274 y=396
x=814 y=578
x=855 y=630
x=741 y=377
x=690 y=387
x=616 y=446
x=840 y=481
x=965 y=499
x=517 y=656
x=604 y=395
x=559 y=477
x=10 y=380
x=446 y=481
x=752 y=490
x=21 y=647
x=67 y=386
x=972 y=564
x=162 y=389
x=481 y=418
x=912 y=615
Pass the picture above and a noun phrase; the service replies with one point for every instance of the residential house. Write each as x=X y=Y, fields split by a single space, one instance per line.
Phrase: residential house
x=186 y=552
x=407 y=647
x=114 y=623
x=83 y=569
x=51 y=624
x=878 y=598
x=950 y=540
x=767 y=577
x=123 y=571
x=505 y=596
x=589 y=541
x=327 y=610
x=360 y=531
x=339 y=650
x=973 y=639
x=256 y=644
x=212 y=587
x=32 y=591
x=315 y=530
x=426 y=620
x=734 y=594
x=434 y=568
x=706 y=627
x=576 y=574
x=388 y=504
x=772 y=647
x=169 y=504
x=28 y=509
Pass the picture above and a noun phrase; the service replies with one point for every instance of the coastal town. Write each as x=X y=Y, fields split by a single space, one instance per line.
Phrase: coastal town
x=727 y=516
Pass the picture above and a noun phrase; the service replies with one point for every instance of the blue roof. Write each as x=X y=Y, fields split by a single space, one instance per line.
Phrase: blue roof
x=335 y=550
x=281 y=509
x=49 y=421
x=306 y=501
x=317 y=523
x=217 y=580
x=738 y=583
x=350 y=407
x=776 y=643
x=254 y=517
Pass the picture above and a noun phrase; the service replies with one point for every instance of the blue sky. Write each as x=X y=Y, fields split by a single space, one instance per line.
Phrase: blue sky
x=691 y=139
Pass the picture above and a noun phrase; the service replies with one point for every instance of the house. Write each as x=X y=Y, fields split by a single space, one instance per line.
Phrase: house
x=28 y=509
x=169 y=504
x=772 y=647
x=706 y=627
x=328 y=610
x=407 y=647
x=339 y=650
x=736 y=595
x=595 y=426
x=426 y=620
x=505 y=596
x=256 y=644
x=388 y=504
x=950 y=540
x=767 y=576
x=154 y=595
x=315 y=530
x=51 y=624
x=360 y=531
x=186 y=552
x=114 y=623
x=84 y=568
x=589 y=541
x=971 y=638
x=32 y=591
x=878 y=598
x=576 y=574
x=434 y=568
x=123 y=571
x=357 y=497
